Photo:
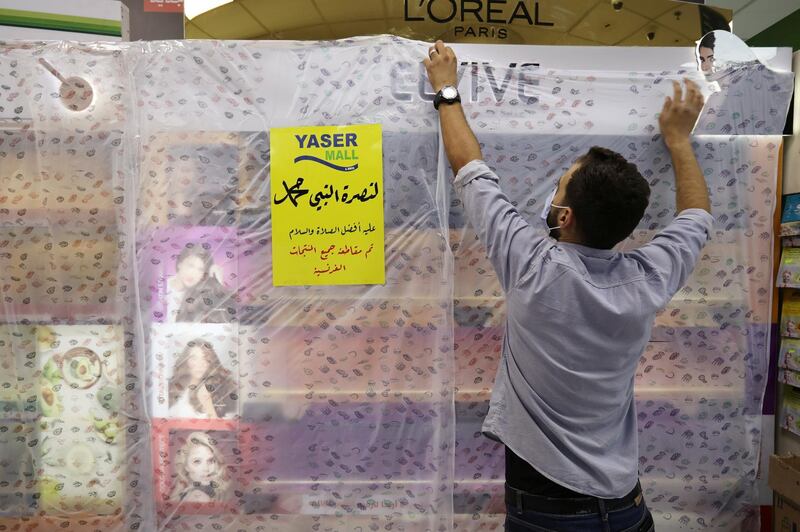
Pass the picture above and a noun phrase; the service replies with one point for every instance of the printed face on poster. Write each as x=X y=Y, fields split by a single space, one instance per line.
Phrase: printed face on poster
x=195 y=466
x=327 y=205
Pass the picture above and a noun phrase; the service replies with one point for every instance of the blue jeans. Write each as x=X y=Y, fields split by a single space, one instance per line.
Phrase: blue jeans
x=630 y=519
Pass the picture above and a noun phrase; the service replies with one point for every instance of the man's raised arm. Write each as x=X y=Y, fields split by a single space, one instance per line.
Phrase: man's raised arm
x=676 y=121
x=509 y=239
x=460 y=143
x=675 y=250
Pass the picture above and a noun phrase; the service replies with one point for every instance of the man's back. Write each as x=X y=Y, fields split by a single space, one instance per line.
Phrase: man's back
x=578 y=321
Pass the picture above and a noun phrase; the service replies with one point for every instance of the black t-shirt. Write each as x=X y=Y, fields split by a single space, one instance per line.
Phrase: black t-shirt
x=522 y=476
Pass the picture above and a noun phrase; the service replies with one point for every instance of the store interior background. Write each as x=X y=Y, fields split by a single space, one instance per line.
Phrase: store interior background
x=585 y=23
x=595 y=22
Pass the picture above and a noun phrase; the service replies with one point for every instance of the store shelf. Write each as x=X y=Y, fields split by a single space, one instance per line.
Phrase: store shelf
x=469 y=395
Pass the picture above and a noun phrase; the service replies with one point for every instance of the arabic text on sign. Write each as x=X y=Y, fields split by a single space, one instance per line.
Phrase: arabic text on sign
x=328 y=193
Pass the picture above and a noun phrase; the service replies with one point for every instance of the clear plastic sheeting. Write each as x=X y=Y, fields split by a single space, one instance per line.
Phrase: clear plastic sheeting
x=153 y=377
x=700 y=383
x=745 y=96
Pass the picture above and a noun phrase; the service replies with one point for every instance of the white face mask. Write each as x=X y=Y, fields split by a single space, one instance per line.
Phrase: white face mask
x=546 y=208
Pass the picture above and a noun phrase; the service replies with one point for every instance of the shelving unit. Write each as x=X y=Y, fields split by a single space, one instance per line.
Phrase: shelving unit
x=787 y=441
x=63 y=421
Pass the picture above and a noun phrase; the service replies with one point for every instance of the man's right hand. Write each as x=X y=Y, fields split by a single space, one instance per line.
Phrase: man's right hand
x=441 y=65
x=679 y=114
x=460 y=143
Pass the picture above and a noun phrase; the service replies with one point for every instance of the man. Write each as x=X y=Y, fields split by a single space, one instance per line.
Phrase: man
x=579 y=314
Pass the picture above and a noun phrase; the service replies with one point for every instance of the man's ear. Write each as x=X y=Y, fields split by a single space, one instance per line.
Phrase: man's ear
x=566 y=218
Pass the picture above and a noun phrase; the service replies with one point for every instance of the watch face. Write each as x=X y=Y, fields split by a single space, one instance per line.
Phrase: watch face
x=449 y=92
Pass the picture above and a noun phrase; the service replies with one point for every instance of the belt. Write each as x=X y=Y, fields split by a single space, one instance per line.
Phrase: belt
x=522 y=501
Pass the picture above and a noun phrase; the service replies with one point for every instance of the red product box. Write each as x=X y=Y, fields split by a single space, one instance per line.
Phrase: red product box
x=196 y=464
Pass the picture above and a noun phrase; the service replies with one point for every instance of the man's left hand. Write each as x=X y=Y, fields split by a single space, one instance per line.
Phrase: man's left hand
x=680 y=112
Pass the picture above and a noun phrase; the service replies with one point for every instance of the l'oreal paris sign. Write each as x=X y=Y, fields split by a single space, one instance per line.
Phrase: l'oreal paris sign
x=476 y=12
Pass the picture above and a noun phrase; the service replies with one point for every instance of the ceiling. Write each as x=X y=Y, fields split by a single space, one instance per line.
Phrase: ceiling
x=562 y=22
x=751 y=17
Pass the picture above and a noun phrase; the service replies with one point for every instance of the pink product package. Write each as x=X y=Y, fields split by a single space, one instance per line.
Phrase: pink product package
x=191 y=274
x=477 y=354
x=255 y=273
x=716 y=360
x=337 y=359
x=296 y=450
x=474 y=273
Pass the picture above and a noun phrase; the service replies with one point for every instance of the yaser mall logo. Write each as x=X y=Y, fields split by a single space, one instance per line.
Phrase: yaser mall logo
x=474 y=12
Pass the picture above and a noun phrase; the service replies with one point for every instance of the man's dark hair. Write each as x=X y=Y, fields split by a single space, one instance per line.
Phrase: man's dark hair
x=608 y=196
x=708 y=41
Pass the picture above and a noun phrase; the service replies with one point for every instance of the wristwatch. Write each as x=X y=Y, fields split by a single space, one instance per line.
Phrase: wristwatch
x=447 y=95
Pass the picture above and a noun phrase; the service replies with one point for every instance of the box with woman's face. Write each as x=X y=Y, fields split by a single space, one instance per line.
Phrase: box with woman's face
x=195 y=371
x=190 y=274
x=196 y=466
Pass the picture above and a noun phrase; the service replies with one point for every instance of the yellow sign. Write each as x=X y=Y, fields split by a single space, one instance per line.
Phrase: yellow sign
x=327 y=205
